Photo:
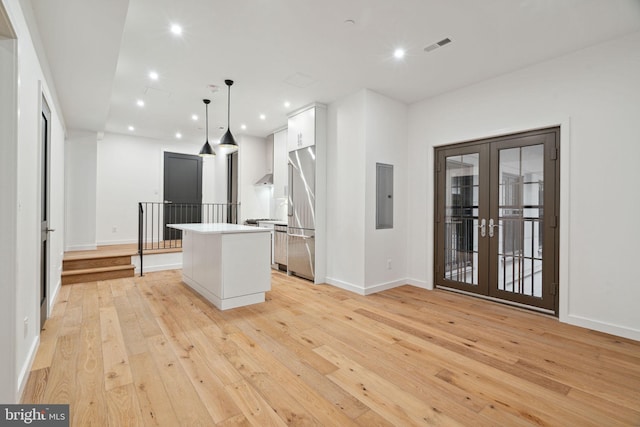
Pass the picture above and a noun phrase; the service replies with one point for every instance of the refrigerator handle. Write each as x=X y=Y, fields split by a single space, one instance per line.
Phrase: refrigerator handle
x=290 y=196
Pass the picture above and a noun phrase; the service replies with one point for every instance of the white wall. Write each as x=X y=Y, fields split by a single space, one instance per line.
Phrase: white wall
x=8 y=214
x=386 y=142
x=214 y=178
x=363 y=129
x=346 y=176
x=255 y=200
x=593 y=94
x=279 y=200
x=129 y=171
x=23 y=206
x=80 y=185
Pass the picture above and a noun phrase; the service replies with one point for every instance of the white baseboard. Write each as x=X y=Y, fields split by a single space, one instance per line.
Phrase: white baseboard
x=158 y=262
x=365 y=291
x=608 y=328
x=81 y=248
x=162 y=267
x=384 y=286
x=346 y=286
x=117 y=242
x=23 y=376
x=419 y=284
x=54 y=295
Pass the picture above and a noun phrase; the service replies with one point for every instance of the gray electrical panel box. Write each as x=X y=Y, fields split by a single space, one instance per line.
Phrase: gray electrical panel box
x=384 y=196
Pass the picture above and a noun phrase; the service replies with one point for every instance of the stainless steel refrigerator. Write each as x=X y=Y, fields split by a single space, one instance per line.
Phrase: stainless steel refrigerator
x=301 y=215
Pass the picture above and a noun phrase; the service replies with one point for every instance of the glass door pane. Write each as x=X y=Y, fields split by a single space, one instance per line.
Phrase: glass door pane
x=520 y=220
x=461 y=218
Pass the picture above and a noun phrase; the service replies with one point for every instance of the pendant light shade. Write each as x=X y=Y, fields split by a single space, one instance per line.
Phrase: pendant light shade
x=207 y=149
x=228 y=140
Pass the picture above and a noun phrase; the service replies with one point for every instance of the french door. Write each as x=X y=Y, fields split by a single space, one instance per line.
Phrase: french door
x=497 y=218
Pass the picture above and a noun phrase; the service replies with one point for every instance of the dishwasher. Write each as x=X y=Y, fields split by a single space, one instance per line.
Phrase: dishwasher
x=280 y=247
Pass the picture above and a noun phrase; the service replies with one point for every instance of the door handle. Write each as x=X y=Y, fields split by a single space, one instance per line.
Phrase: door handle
x=491 y=226
x=302 y=236
x=483 y=227
x=290 y=204
x=168 y=202
x=49 y=230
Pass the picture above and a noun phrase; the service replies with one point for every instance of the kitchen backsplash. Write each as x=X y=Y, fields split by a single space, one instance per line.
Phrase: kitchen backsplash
x=279 y=208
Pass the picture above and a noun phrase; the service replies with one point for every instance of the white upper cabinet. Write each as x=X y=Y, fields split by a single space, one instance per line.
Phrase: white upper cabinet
x=302 y=129
x=280 y=164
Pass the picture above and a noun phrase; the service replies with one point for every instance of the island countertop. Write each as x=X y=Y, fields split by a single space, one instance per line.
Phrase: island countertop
x=217 y=228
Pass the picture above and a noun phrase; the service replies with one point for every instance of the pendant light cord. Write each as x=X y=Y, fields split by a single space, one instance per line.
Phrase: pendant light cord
x=206 y=106
x=228 y=106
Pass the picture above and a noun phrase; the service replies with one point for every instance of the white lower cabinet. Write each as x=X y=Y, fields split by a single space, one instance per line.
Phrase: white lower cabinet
x=229 y=269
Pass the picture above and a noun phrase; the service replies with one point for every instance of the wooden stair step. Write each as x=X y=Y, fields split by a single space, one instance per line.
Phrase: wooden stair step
x=95 y=262
x=96 y=274
x=101 y=253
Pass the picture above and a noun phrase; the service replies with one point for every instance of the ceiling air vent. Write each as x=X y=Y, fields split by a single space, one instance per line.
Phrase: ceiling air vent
x=434 y=46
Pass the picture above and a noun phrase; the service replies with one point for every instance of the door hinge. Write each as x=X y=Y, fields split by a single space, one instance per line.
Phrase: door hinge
x=437 y=269
x=554 y=154
x=553 y=221
x=438 y=166
x=554 y=288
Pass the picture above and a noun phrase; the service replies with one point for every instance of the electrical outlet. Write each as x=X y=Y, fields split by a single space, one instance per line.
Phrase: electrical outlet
x=389 y=264
x=114 y=229
x=26 y=326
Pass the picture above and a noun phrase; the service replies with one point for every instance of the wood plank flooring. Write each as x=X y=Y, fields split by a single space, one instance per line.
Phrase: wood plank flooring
x=148 y=351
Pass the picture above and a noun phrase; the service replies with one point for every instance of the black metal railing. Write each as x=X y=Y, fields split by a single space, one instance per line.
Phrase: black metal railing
x=153 y=217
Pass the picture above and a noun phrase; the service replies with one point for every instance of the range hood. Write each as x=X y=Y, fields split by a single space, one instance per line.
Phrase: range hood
x=265 y=180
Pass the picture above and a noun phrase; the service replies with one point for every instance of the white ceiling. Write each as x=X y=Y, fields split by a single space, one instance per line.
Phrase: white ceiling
x=100 y=53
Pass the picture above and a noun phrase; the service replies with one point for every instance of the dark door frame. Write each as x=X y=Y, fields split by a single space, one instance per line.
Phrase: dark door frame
x=45 y=209
x=232 y=187
x=488 y=173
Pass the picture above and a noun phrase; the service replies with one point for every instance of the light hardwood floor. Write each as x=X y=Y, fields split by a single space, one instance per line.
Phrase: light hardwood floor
x=149 y=351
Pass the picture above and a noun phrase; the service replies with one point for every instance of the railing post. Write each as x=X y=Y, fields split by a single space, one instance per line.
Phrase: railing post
x=140 y=228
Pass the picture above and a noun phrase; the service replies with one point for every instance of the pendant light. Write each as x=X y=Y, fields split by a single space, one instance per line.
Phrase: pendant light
x=228 y=140
x=207 y=149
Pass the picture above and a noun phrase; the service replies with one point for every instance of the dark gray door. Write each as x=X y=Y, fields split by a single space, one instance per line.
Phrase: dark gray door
x=232 y=187
x=45 y=168
x=496 y=209
x=182 y=191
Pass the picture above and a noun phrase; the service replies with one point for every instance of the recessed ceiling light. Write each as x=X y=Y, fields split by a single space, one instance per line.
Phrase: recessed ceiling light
x=140 y=103
x=194 y=117
x=287 y=104
x=153 y=75
x=262 y=117
x=131 y=128
x=178 y=135
x=243 y=127
x=176 y=29
x=399 y=53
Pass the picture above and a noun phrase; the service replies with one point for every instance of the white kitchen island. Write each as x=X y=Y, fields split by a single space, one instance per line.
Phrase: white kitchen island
x=228 y=264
